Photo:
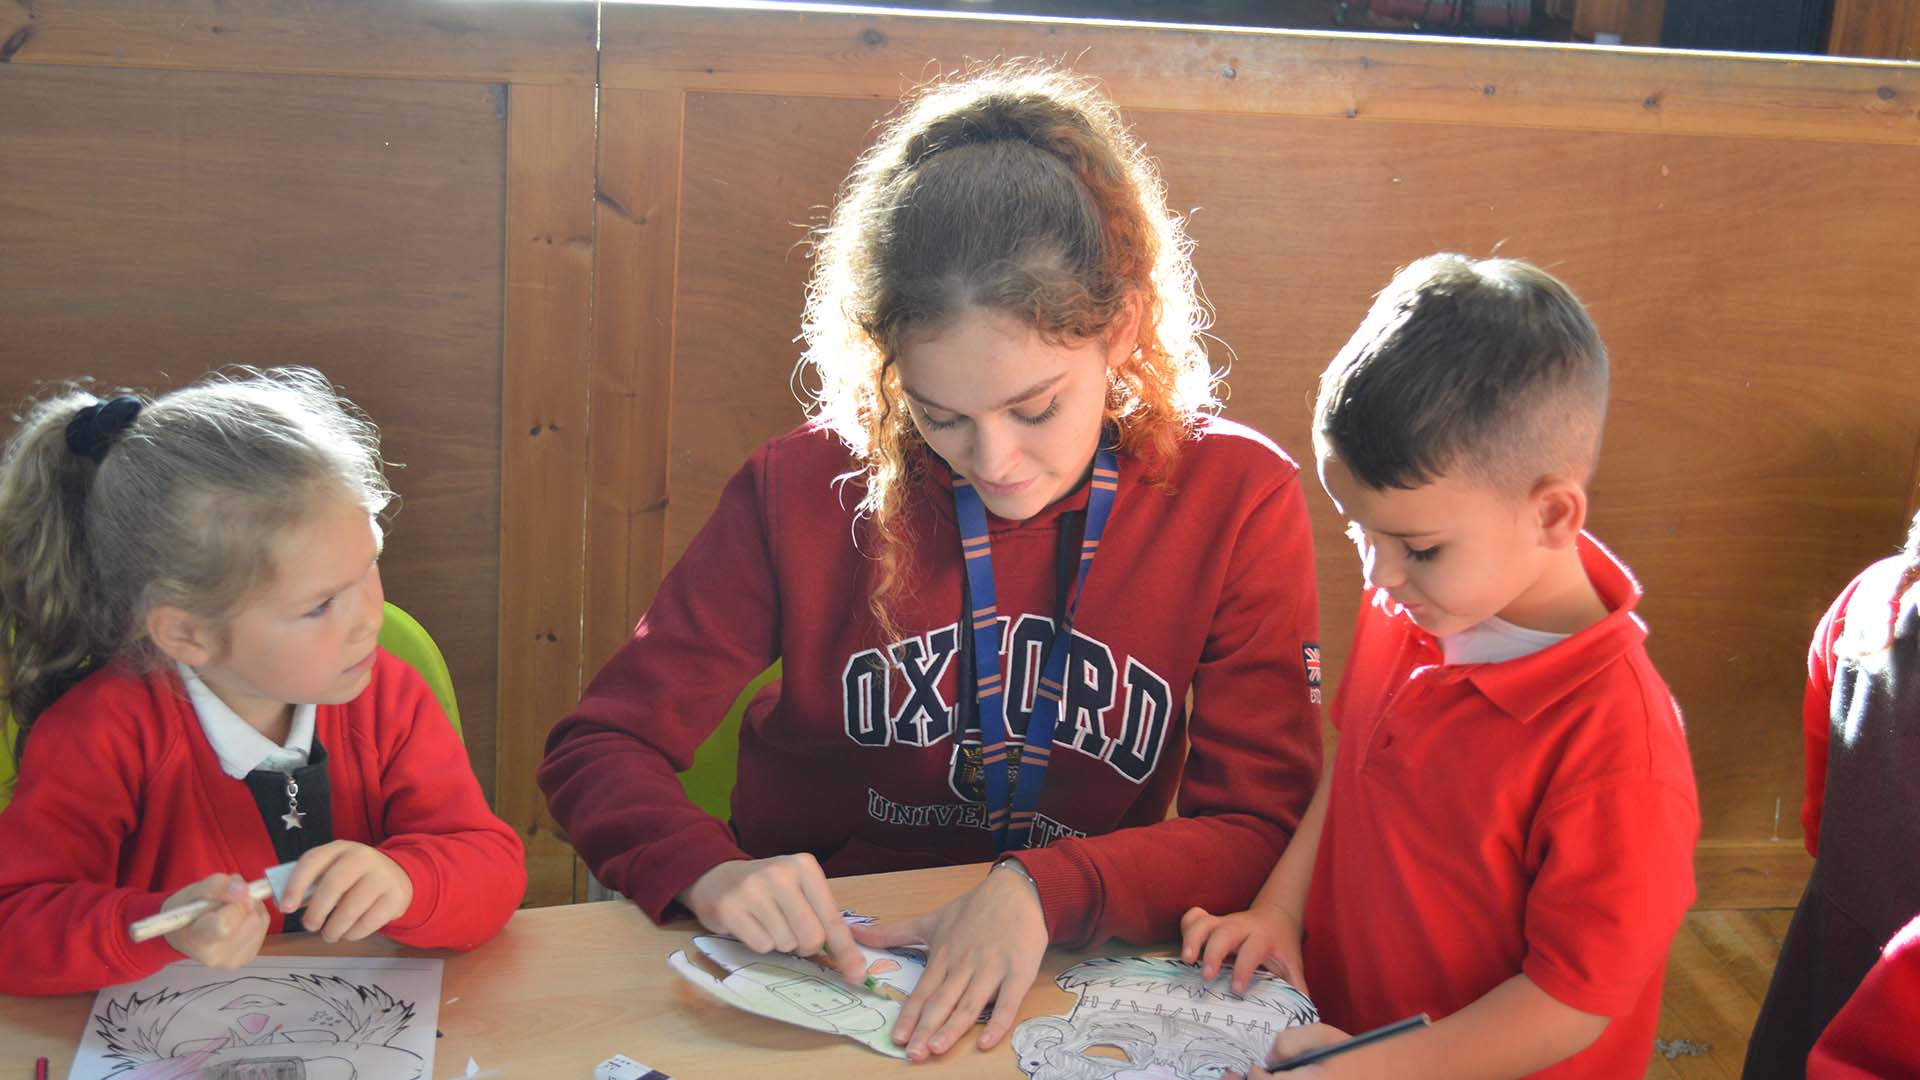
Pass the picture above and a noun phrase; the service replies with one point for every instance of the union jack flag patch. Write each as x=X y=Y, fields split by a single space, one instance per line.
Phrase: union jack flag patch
x=1310 y=657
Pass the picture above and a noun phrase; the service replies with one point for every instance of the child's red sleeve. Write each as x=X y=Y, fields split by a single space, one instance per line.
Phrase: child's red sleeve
x=1872 y=1036
x=1816 y=713
x=468 y=868
x=1615 y=877
x=63 y=922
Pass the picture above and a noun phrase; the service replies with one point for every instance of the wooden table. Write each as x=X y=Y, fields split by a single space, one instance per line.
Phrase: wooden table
x=564 y=988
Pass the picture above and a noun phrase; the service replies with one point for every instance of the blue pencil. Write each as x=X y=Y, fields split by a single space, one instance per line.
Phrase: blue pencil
x=1314 y=1057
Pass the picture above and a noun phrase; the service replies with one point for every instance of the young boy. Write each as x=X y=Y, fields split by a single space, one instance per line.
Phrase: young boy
x=1504 y=837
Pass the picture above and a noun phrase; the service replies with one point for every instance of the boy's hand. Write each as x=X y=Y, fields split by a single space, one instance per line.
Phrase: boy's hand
x=355 y=890
x=1260 y=937
x=1296 y=1041
x=229 y=935
x=781 y=904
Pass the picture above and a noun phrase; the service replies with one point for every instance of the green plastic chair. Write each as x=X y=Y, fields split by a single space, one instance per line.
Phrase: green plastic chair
x=403 y=636
x=709 y=781
x=8 y=729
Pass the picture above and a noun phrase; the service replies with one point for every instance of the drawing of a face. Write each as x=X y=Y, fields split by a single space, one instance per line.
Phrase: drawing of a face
x=1160 y=1048
x=310 y=1027
x=252 y=1012
x=1146 y=1018
x=815 y=997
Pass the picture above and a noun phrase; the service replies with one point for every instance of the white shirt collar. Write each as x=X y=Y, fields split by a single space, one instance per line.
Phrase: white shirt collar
x=1495 y=641
x=239 y=746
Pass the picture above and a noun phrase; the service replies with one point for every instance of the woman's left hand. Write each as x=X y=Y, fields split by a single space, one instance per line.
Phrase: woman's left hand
x=982 y=948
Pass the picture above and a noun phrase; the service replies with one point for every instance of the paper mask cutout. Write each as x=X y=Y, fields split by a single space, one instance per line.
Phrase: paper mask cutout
x=1145 y=1018
x=800 y=992
x=339 y=1018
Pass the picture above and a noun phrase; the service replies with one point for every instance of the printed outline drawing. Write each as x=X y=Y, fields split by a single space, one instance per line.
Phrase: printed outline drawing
x=800 y=992
x=1139 y=1016
x=345 y=1029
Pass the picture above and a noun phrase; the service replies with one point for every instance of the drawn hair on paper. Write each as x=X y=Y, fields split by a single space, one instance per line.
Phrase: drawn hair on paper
x=291 y=1027
x=1145 y=1016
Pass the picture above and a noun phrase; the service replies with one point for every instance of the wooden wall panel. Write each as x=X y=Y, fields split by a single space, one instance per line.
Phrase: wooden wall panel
x=1634 y=22
x=1760 y=442
x=1331 y=76
x=612 y=286
x=742 y=277
x=154 y=225
x=638 y=214
x=518 y=41
x=544 y=438
x=1879 y=28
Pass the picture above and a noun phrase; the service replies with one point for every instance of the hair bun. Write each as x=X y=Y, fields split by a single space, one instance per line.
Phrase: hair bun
x=93 y=429
x=1000 y=116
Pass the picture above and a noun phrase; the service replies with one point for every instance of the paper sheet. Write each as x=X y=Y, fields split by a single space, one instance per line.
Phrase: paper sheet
x=1138 y=1014
x=308 y=1017
x=800 y=992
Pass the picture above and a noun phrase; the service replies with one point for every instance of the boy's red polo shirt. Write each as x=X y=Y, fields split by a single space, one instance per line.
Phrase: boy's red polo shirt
x=1536 y=816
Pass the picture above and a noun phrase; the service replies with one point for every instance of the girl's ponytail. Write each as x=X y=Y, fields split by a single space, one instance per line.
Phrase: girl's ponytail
x=50 y=631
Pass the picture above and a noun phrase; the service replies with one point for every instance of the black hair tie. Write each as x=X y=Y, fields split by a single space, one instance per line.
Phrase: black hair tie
x=93 y=429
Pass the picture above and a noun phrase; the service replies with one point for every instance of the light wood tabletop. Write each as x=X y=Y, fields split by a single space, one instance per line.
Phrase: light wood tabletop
x=562 y=989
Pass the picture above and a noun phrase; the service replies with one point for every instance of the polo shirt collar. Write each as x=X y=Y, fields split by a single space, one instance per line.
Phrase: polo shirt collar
x=1524 y=687
x=239 y=745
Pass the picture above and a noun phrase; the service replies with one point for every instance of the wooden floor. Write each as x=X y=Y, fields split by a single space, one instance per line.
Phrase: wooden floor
x=1716 y=978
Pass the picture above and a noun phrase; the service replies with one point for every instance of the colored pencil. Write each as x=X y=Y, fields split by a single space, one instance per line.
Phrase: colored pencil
x=1316 y=1056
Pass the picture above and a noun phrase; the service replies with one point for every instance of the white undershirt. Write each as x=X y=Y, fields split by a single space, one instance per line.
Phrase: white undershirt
x=240 y=747
x=1495 y=641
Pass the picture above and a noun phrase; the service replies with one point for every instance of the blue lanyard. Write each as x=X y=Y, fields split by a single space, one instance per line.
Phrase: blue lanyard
x=1010 y=811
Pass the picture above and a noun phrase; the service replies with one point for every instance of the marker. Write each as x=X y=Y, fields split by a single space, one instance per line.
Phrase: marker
x=153 y=926
x=873 y=986
x=1314 y=1057
x=40 y=1069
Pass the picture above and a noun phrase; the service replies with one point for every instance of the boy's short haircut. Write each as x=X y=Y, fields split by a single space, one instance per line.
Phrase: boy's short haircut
x=1486 y=367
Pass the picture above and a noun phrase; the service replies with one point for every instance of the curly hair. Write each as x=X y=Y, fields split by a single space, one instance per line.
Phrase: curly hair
x=1014 y=189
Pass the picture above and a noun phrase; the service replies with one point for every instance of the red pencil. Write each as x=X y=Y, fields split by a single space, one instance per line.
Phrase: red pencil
x=40 y=1069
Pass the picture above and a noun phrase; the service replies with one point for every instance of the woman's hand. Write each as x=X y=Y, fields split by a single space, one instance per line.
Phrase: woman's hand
x=1257 y=937
x=780 y=904
x=228 y=936
x=983 y=948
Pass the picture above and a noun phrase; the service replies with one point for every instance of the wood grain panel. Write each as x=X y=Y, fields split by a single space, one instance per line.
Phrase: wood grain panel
x=1717 y=974
x=544 y=438
x=542 y=997
x=1273 y=72
x=1879 y=28
x=638 y=212
x=742 y=278
x=1634 y=22
x=1760 y=441
x=520 y=41
x=154 y=225
x=1751 y=873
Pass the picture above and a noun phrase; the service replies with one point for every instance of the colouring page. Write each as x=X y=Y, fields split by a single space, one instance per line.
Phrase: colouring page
x=1140 y=1016
x=280 y=1017
x=800 y=992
